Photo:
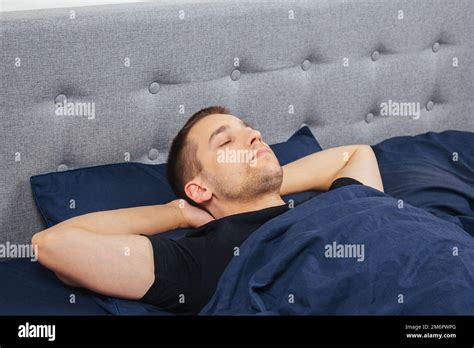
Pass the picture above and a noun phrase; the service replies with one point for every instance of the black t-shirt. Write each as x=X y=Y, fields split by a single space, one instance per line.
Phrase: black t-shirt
x=187 y=270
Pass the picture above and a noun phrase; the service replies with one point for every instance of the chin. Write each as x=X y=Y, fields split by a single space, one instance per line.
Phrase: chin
x=271 y=177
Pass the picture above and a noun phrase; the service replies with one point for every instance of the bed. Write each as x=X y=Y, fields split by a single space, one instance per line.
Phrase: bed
x=352 y=71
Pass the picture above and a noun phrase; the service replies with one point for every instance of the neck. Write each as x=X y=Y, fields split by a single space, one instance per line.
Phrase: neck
x=236 y=207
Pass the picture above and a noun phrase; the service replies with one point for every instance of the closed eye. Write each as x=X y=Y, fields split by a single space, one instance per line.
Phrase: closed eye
x=228 y=141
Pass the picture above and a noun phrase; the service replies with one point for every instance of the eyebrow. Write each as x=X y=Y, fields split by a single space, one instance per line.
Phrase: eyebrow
x=224 y=128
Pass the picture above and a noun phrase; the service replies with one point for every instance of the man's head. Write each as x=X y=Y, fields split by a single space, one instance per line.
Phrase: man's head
x=218 y=160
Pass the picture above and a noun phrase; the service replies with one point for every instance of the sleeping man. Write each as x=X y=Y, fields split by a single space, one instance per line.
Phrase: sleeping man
x=223 y=198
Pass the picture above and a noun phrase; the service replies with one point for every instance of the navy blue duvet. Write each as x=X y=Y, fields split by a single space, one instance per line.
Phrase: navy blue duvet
x=412 y=263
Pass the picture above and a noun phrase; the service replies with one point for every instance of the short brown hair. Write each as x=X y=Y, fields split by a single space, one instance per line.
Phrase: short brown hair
x=183 y=165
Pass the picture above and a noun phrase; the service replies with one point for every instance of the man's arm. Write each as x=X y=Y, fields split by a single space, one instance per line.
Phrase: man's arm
x=317 y=171
x=147 y=220
x=104 y=252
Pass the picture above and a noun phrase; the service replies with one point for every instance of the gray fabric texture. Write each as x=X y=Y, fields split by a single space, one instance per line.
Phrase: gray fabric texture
x=147 y=67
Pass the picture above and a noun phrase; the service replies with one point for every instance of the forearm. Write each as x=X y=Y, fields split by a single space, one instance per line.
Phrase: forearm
x=317 y=171
x=148 y=220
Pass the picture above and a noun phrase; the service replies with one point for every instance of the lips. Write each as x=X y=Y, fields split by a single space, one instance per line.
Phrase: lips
x=260 y=152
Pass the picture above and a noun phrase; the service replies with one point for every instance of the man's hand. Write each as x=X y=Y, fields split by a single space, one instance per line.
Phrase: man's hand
x=190 y=216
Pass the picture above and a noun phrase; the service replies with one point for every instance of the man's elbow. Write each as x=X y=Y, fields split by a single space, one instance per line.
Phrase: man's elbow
x=362 y=153
x=38 y=238
x=45 y=241
x=367 y=149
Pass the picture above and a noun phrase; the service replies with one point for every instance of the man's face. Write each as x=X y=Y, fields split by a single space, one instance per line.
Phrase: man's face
x=237 y=164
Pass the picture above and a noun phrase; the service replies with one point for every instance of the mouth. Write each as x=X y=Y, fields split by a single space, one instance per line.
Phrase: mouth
x=261 y=152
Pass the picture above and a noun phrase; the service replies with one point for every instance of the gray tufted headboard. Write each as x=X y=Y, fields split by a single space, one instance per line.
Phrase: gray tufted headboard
x=145 y=68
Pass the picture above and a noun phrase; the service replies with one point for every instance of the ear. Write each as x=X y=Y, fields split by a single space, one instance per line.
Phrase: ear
x=197 y=191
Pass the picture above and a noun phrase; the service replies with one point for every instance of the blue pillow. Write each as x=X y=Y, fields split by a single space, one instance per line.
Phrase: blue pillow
x=62 y=195
x=433 y=171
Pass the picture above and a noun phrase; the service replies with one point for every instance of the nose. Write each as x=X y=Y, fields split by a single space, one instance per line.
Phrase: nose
x=254 y=136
